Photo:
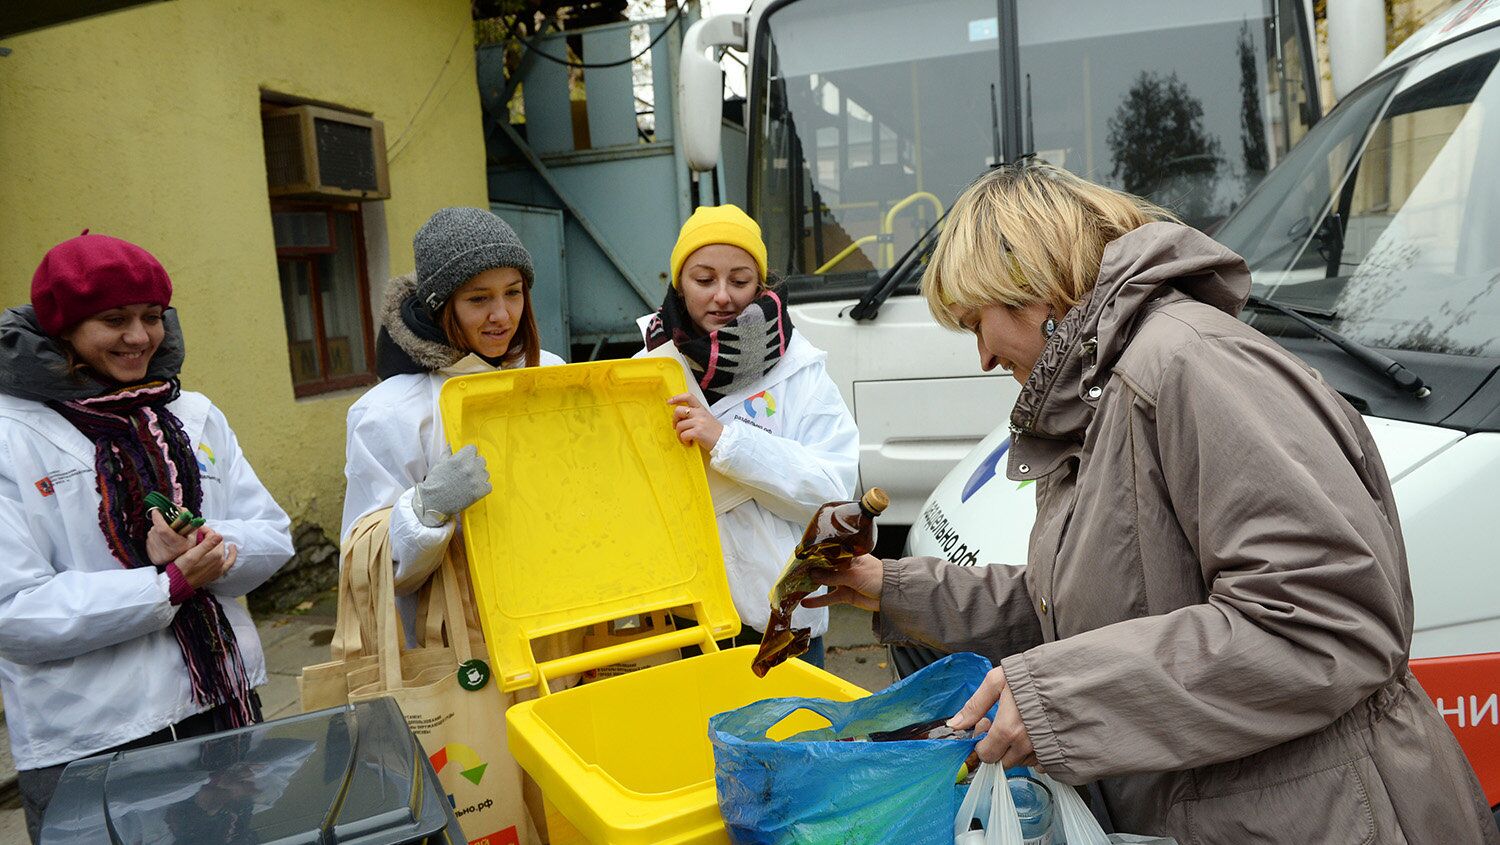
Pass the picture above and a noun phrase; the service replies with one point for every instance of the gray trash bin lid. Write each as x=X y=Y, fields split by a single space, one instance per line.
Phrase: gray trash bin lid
x=349 y=775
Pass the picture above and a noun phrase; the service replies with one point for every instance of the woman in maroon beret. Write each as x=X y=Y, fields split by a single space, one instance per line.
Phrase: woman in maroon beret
x=118 y=629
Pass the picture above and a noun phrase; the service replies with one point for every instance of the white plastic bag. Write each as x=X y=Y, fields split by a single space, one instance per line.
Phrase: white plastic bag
x=1074 y=824
x=1004 y=826
x=1071 y=817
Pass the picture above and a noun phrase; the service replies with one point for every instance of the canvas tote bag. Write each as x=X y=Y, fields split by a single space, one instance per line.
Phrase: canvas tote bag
x=462 y=730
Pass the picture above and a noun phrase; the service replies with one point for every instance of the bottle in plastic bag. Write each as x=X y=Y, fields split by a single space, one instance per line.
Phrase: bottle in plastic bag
x=931 y=729
x=1034 y=808
x=1031 y=802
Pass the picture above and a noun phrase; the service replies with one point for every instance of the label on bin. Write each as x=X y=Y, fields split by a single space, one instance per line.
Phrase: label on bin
x=473 y=674
x=508 y=836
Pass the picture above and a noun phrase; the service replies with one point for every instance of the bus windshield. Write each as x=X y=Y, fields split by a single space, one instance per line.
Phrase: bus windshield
x=863 y=134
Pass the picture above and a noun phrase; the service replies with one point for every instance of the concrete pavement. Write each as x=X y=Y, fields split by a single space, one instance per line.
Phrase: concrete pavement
x=853 y=653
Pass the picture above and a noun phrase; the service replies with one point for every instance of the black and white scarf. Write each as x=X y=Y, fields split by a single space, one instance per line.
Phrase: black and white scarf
x=732 y=357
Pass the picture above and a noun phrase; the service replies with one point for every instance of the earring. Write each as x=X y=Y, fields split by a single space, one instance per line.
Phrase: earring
x=1050 y=326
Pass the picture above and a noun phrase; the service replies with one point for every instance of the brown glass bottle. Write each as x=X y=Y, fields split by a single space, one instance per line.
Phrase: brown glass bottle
x=837 y=534
x=931 y=729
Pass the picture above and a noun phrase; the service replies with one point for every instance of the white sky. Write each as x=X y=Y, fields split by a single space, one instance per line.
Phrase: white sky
x=734 y=73
x=723 y=7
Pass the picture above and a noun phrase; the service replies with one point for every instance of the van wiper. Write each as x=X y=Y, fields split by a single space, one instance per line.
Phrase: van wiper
x=900 y=273
x=1392 y=369
x=1310 y=310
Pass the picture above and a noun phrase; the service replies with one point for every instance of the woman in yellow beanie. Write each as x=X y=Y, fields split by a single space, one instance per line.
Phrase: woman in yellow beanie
x=779 y=438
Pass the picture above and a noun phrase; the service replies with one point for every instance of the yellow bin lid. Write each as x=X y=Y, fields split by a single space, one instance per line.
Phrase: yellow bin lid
x=598 y=511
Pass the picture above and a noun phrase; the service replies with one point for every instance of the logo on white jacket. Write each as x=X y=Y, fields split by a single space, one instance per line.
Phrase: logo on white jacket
x=760 y=411
x=761 y=404
x=47 y=485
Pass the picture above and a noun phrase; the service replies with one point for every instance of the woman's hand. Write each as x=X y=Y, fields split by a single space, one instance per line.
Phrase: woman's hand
x=163 y=545
x=693 y=421
x=1006 y=742
x=454 y=483
x=859 y=585
x=208 y=560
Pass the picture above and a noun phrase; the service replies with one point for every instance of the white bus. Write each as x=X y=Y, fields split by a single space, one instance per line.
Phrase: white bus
x=866 y=119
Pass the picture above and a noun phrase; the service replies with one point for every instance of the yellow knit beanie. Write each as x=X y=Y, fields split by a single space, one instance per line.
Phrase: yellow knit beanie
x=721 y=224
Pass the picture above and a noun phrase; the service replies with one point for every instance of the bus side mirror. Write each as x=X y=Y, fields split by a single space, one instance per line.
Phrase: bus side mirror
x=700 y=87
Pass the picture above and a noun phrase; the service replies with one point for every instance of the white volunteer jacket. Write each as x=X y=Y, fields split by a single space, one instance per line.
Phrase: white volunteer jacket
x=88 y=660
x=395 y=435
x=791 y=443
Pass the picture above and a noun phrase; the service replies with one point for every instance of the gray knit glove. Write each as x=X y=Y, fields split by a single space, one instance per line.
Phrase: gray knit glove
x=454 y=483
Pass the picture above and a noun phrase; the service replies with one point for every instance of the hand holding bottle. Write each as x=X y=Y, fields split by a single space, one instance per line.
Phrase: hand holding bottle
x=859 y=584
x=164 y=545
x=209 y=559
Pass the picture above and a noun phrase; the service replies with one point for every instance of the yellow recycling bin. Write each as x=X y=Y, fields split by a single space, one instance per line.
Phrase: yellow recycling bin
x=600 y=513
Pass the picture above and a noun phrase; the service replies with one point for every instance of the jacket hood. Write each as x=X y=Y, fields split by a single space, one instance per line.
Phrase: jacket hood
x=1140 y=265
x=33 y=365
x=398 y=349
x=1138 y=270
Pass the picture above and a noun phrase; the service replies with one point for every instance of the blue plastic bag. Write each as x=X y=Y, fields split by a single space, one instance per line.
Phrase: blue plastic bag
x=809 y=789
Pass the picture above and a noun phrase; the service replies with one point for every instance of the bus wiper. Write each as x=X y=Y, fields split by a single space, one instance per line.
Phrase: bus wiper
x=1388 y=367
x=891 y=280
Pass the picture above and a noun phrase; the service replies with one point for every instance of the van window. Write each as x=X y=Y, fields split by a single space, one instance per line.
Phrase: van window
x=1404 y=254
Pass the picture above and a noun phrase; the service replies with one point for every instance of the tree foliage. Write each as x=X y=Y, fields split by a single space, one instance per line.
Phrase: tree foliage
x=1252 y=124
x=1160 y=148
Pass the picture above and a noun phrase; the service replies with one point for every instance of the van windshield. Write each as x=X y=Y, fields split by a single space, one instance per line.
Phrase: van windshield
x=1384 y=223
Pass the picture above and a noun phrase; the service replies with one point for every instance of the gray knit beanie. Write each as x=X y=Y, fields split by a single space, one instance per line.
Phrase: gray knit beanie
x=457 y=244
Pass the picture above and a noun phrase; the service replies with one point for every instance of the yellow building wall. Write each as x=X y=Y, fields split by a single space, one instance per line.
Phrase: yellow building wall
x=145 y=124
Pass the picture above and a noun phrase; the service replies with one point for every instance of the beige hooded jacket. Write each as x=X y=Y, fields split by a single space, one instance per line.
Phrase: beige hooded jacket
x=1215 y=617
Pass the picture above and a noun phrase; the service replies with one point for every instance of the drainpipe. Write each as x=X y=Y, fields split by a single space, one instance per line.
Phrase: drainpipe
x=1356 y=41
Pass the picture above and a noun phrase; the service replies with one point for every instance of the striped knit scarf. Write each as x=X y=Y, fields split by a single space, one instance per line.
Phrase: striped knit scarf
x=732 y=357
x=140 y=446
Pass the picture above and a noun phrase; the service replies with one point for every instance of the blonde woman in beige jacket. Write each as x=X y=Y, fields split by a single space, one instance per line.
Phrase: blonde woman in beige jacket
x=1215 y=618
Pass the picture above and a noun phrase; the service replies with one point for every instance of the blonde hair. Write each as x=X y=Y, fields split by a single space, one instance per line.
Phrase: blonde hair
x=1024 y=233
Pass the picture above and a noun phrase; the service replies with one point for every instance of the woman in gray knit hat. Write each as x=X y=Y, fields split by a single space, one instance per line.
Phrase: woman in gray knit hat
x=466 y=309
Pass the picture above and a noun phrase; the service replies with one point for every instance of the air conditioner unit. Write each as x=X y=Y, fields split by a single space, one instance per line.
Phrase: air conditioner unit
x=319 y=153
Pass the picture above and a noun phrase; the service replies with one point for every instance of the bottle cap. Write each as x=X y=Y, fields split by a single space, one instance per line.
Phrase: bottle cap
x=875 y=500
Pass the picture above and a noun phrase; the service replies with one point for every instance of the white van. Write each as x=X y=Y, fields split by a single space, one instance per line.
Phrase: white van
x=1383 y=227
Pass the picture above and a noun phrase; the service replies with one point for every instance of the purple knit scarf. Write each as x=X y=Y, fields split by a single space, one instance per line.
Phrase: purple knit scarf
x=140 y=446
